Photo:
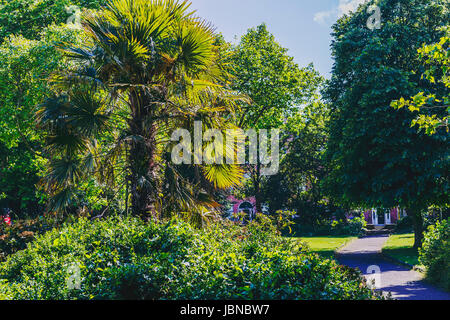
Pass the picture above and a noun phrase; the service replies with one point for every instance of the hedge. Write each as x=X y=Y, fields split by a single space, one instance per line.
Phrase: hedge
x=125 y=258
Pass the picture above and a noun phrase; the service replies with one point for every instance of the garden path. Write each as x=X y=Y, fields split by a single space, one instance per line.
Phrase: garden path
x=404 y=284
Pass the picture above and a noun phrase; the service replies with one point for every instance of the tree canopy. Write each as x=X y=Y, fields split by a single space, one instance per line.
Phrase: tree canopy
x=29 y=17
x=25 y=66
x=276 y=85
x=146 y=69
x=433 y=107
x=376 y=158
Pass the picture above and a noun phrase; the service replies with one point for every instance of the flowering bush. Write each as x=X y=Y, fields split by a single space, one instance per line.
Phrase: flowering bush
x=15 y=236
x=6 y=220
x=125 y=258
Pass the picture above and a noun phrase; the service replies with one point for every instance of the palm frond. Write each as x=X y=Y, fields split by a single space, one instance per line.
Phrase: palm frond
x=61 y=200
x=223 y=176
x=89 y=113
x=146 y=67
x=63 y=173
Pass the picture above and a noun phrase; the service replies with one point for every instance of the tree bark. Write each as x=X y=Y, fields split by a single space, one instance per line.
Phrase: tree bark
x=416 y=215
x=142 y=158
x=257 y=183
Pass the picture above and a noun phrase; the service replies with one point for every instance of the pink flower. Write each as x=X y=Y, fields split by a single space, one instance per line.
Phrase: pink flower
x=7 y=220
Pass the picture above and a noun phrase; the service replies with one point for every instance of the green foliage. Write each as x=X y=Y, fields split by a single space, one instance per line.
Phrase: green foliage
x=436 y=58
x=277 y=87
x=15 y=237
x=146 y=69
x=121 y=258
x=334 y=227
x=19 y=171
x=268 y=75
x=435 y=253
x=30 y=17
x=353 y=226
x=375 y=158
x=25 y=66
x=302 y=167
x=29 y=35
x=404 y=224
x=282 y=220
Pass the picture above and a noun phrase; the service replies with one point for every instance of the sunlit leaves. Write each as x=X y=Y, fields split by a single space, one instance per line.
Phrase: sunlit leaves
x=375 y=157
x=274 y=82
x=145 y=69
x=436 y=59
x=223 y=176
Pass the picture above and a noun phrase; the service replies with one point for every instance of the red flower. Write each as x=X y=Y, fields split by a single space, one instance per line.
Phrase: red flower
x=7 y=220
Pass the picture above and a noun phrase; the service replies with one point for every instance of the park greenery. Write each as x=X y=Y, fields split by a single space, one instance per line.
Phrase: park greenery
x=436 y=59
x=400 y=247
x=435 y=253
x=375 y=158
x=91 y=91
x=125 y=258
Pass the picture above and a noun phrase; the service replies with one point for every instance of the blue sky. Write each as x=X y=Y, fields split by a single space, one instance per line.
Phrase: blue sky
x=302 y=26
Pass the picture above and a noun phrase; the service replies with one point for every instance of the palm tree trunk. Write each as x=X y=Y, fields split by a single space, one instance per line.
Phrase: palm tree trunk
x=142 y=158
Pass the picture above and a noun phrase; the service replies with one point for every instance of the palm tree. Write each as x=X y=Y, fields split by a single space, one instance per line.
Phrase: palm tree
x=146 y=67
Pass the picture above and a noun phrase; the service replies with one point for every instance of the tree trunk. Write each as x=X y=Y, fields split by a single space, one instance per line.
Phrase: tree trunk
x=416 y=215
x=142 y=158
x=257 y=183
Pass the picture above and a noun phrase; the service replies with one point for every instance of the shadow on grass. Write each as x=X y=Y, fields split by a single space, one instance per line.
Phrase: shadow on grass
x=406 y=255
x=400 y=247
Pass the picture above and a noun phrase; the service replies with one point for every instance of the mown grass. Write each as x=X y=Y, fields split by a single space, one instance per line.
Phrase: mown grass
x=326 y=246
x=400 y=247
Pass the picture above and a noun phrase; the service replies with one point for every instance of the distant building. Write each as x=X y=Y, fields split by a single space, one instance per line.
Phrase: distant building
x=377 y=217
x=381 y=217
x=239 y=206
x=246 y=207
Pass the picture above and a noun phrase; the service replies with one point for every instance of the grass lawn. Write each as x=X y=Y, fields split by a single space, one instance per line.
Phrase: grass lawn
x=325 y=246
x=400 y=247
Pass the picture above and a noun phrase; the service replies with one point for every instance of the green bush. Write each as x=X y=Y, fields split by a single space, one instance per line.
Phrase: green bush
x=125 y=258
x=351 y=227
x=405 y=224
x=435 y=253
x=15 y=237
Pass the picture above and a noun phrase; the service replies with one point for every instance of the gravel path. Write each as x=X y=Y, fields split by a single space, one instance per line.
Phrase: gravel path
x=403 y=283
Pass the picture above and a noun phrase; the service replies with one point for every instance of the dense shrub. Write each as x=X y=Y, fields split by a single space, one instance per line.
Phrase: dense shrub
x=353 y=226
x=342 y=227
x=16 y=236
x=432 y=216
x=435 y=253
x=124 y=258
x=405 y=224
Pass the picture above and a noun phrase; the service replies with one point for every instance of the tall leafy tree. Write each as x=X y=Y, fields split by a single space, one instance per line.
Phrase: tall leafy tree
x=276 y=85
x=146 y=68
x=377 y=159
x=297 y=185
x=24 y=67
x=433 y=106
x=30 y=17
x=28 y=55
